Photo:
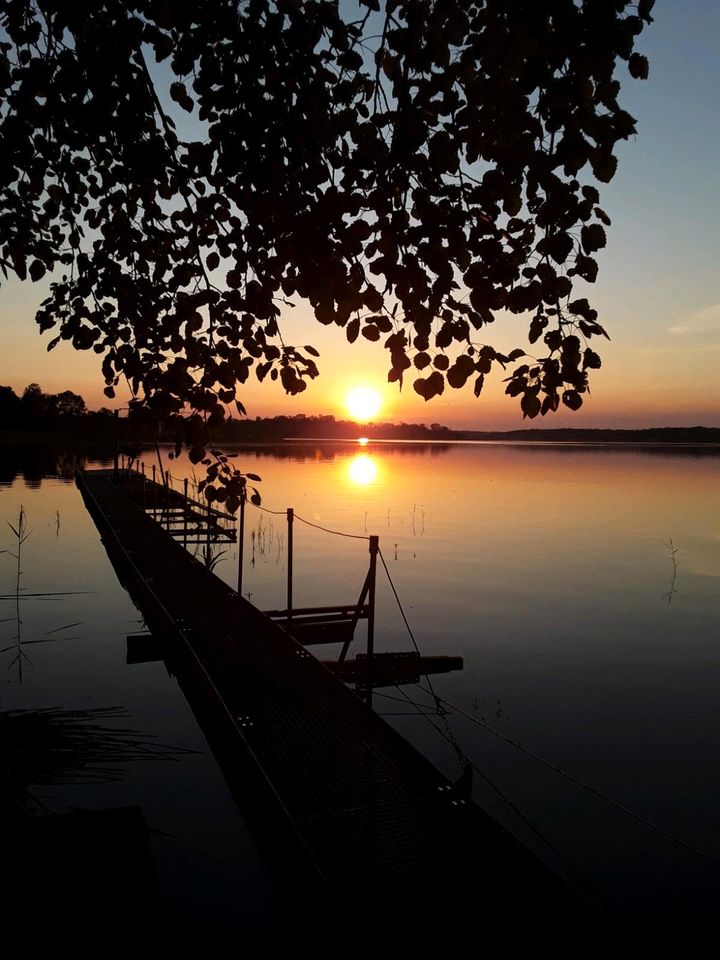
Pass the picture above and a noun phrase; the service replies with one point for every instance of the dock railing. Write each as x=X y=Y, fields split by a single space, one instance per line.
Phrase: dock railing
x=178 y=506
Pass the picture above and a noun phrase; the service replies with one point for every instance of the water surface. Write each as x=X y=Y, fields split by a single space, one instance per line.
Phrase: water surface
x=579 y=584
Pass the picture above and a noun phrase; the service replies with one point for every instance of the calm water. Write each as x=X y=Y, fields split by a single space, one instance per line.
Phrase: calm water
x=580 y=584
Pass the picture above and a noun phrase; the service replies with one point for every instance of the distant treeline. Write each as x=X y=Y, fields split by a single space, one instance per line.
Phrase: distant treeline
x=67 y=413
x=582 y=435
x=37 y=409
x=327 y=428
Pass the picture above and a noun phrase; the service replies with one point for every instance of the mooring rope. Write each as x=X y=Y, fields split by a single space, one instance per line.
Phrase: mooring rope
x=448 y=734
x=337 y=533
x=441 y=703
x=275 y=513
x=578 y=782
x=438 y=708
x=400 y=606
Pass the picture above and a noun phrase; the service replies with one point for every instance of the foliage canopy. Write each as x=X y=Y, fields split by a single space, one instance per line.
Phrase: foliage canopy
x=408 y=167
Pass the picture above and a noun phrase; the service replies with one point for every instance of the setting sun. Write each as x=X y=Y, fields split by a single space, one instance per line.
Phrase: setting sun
x=363 y=403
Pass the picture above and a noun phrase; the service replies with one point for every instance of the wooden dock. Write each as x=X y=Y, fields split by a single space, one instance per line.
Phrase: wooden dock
x=387 y=852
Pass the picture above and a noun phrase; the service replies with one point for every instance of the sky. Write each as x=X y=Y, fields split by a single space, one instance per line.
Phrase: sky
x=657 y=293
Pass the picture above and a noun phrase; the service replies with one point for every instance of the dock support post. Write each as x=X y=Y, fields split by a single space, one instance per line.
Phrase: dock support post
x=207 y=531
x=374 y=547
x=241 y=541
x=185 y=513
x=290 y=518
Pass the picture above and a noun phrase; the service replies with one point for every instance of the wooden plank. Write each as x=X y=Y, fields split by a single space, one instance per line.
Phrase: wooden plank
x=348 y=609
x=389 y=669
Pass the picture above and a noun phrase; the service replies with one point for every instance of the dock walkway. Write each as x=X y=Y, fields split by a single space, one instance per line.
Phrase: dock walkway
x=395 y=850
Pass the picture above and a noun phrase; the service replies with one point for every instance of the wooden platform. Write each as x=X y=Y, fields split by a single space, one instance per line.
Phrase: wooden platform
x=387 y=850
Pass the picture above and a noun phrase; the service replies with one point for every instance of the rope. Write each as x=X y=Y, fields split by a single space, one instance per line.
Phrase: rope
x=578 y=782
x=400 y=606
x=275 y=513
x=450 y=737
x=337 y=533
x=438 y=708
x=439 y=701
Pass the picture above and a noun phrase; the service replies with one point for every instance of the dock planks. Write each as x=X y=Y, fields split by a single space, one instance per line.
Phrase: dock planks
x=397 y=855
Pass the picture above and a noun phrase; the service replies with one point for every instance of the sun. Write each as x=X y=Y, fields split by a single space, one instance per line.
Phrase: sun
x=363 y=403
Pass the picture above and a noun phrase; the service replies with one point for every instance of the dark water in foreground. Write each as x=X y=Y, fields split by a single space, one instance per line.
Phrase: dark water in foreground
x=580 y=584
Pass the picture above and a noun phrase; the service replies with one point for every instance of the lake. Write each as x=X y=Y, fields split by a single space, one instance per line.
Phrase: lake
x=579 y=583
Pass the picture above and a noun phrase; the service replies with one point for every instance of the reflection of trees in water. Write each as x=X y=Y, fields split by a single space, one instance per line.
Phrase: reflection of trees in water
x=302 y=451
x=37 y=463
x=601 y=448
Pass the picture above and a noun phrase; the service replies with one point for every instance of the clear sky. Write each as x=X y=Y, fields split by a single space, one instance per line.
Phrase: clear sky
x=658 y=291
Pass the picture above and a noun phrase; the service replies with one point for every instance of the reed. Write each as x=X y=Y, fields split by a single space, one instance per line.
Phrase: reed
x=68 y=747
x=673 y=551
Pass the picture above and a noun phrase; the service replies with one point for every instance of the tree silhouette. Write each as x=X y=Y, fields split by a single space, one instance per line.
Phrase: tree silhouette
x=410 y=168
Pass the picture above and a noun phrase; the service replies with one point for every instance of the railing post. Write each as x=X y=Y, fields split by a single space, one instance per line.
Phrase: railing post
x=185 y=513
x=374 y=547
x=154 y=494
x=142 y=465
x=241 y=541
x=207 y=539
x=290 y=518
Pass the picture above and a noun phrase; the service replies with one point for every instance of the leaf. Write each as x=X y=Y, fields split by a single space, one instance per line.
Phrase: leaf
x=441 y=361
x=591 y=360
x=604 y=166
x=179 y=94
x=638 y=66
x=458 y=374
x=593 y=237
x=254 y=477
x=431 y=386
x=352 y=330
x=572 y=399
x=37 y=270
x=601 y=215
x=537 y=325
x=530 y=404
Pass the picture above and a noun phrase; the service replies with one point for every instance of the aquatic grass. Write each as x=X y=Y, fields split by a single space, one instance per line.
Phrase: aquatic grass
x=21 y=534
x=673 y=551
x=56 y=747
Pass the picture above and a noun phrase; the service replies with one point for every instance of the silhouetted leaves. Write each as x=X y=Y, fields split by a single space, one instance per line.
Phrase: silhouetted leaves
x=638 y=66
x=406 y=176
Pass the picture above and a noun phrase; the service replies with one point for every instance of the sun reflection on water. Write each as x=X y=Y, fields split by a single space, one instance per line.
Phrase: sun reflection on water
x=362 y=469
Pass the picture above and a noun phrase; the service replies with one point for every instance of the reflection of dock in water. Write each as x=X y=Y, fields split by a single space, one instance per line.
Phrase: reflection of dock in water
x=368 y=834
